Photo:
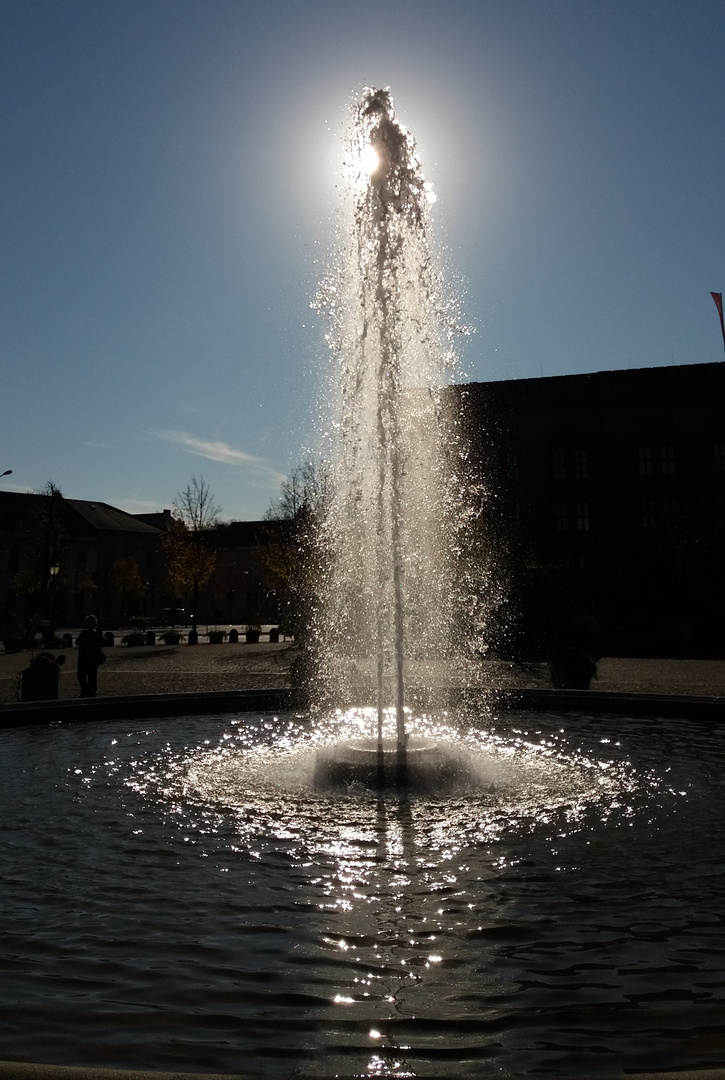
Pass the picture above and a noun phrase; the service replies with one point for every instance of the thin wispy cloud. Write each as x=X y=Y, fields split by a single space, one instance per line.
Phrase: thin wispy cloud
x=216 y=450
x=139 y=506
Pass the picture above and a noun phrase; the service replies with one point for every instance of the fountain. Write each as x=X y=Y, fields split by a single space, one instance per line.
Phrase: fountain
x=235 y=894
x=387 y=596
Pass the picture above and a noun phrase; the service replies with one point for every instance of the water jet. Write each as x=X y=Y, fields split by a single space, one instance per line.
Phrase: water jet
x=387 y=592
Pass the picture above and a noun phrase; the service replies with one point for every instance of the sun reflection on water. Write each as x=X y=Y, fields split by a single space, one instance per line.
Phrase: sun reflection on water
x=397 y=886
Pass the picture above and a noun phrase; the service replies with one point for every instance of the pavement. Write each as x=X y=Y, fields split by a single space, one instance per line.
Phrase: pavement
x=165 y=669
x=229 y=667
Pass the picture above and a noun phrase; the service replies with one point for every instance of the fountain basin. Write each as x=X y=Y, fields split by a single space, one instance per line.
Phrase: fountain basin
x=183 y=896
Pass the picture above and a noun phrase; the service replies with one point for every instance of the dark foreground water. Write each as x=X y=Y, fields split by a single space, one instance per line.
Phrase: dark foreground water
x=180 y=895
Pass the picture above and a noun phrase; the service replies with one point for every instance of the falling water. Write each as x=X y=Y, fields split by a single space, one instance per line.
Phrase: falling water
x=385 y=623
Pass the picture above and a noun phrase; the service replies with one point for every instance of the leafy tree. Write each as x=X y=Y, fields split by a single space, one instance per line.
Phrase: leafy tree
x=48 y=544
x=190 y=558
x=76 y=577
x=127 y=580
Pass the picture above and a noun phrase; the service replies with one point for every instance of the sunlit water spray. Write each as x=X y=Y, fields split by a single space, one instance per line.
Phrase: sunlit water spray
x=386 y=616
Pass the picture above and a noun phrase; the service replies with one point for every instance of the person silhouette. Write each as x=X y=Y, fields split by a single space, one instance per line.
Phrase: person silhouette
x=90 y=656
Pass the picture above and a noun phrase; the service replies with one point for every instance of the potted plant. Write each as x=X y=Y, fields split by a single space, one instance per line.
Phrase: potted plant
x=253 y=630
x=216 y=637
x=39 y=681
x=171 y=637
x=571 y=668
x=11 y=633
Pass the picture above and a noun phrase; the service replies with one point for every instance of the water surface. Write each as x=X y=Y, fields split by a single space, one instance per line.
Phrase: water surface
x=179 y=895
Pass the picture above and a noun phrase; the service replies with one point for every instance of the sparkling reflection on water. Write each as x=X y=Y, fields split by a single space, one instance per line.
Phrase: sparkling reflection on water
x=179 y=895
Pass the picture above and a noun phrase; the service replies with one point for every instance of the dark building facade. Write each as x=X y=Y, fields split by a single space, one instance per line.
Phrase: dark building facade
x=75 y=557
x=607 y=490
x=615 y=485
x=242 y=587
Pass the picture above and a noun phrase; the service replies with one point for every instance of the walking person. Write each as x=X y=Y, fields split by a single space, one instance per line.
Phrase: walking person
x=90 y=656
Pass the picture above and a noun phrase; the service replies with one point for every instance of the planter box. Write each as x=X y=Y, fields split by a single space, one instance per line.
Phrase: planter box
x=252 y=636
x=216 y=637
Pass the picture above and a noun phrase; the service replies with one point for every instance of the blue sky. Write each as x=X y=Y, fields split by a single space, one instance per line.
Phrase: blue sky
x=168 y=179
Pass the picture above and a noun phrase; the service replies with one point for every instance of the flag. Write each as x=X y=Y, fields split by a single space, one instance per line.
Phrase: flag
x=717 y=297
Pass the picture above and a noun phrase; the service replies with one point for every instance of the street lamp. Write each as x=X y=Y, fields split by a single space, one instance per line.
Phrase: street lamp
x=54 y=571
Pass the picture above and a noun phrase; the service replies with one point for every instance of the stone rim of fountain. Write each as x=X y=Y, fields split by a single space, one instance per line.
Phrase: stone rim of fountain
x=686 y=707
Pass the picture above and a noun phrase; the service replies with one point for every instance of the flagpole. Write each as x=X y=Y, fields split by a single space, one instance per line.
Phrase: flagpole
x=717 y=297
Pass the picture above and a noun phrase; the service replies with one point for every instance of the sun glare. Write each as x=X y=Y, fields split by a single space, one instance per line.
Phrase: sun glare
x=369 y=160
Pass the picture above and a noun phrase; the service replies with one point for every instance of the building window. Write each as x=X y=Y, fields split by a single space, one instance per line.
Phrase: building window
x=558 y=464
x=644 y=460
x=674 y=567
x=561 y=517
x=648 y=517
x=512 y=467
x=582 y=517
x=718 y=514
x=718 y=457
x=669 y=514
x=667 y=460
x=580 y=465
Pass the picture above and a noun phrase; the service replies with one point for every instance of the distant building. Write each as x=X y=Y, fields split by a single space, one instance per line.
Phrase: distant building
x=242 y=588
x=609 y=497
x=92 y=557
x=615 y=483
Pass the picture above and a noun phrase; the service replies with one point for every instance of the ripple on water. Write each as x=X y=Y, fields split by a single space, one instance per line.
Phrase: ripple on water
x=183 y=894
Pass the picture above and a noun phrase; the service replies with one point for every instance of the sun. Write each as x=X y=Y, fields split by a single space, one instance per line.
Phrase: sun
x=369 y=160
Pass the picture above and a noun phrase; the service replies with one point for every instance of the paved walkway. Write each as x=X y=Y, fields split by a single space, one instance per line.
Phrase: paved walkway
x=164 y=669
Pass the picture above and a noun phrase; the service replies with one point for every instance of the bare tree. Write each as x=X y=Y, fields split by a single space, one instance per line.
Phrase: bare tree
x=291 y=542
x=186 y=544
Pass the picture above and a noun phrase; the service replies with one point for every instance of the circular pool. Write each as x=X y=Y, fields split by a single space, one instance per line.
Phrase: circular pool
x=182 y=895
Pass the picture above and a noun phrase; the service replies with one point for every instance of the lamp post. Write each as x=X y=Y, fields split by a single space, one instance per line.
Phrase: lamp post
x=54 y=570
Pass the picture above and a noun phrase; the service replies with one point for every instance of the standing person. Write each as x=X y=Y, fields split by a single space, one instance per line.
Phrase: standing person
x=90 y=656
